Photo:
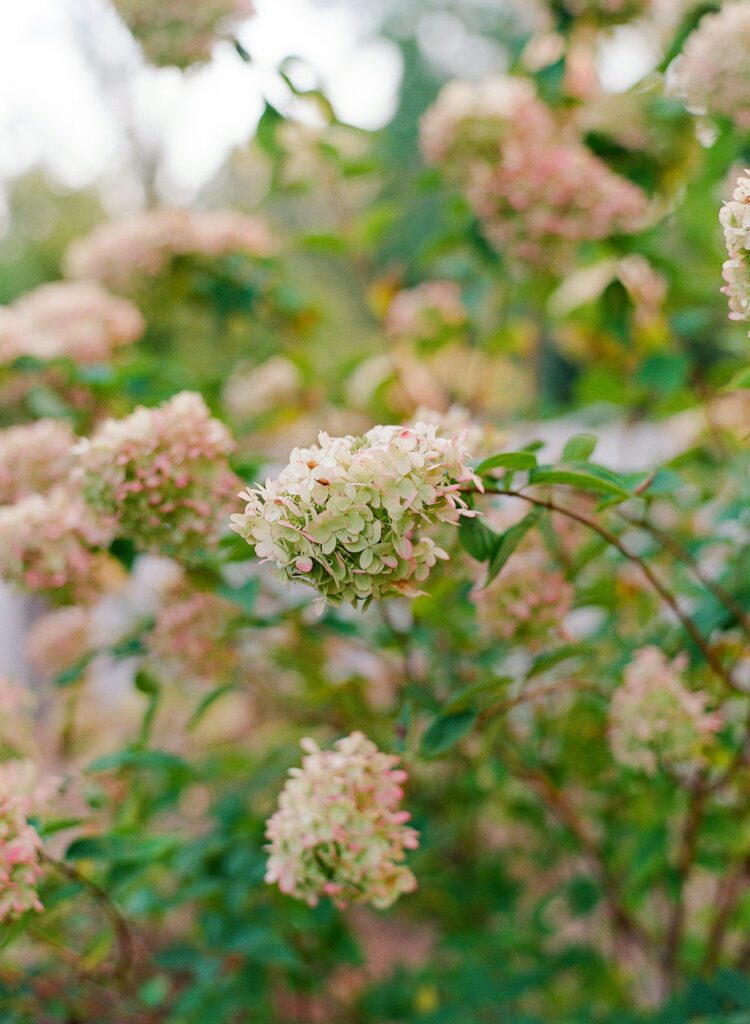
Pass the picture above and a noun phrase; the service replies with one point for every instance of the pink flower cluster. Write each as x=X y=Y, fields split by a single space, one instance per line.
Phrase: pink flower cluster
x=68 y=320
x=121 y=254
x=48 y=543
x=735 y=219
x=190 y=634
x=59 y=639
x=20 y=844
x=654 y=719
x=33 y=458
x=712 y=74
x=161 y=474
x=472 y=121
x=432 y=311
x=538 y=202
x=537 y=190
x=527 y=602
x=339 y=830
x=181 y=32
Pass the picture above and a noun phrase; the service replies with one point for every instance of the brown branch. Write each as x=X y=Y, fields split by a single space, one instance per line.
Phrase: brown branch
x=729 y=891
x=125 y=945
x=539 y=692
x=558 y=804
x=669 y=599
x=686 y=857
x=680 y=552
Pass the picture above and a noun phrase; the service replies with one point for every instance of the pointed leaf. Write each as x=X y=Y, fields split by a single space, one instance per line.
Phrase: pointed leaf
x=579 y=446
x=445 y=731
x=509 y=541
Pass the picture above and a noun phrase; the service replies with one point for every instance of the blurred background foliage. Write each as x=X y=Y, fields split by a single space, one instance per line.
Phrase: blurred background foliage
x=510 y=921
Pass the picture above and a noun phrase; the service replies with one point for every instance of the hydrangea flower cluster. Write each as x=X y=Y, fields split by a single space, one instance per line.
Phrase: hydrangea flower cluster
x=538 y=201
x=473 y=120
x=735 y=219
x=190 y=634
x=252 y=392
x=48 y=544
x=122 y=253
x=68 y=320
x=161 y=474
x=59 y=639
x=526 y=603
x=536 y=189
x=654 y=719
x=20 y=844
x=33 y=458
x=432 y=311
x=351 y=516
x=181 y=32
x=339 y=830
x=712 y=74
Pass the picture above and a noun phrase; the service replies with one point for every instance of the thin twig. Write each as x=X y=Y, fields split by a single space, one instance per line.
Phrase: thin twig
x=730 y=889
x=537 y=693
x=681 y=553
x=125 y=946
x=685 y=859
x=669 y=599
x=561 y=807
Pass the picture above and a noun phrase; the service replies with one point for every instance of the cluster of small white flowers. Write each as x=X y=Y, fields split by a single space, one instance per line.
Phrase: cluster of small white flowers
x=432 y=311
x=712 y=74
x=339 y=831
x=68 y=320
x=351 y=516
x=181 y=32
x=123 y=253
x=654 y=719
x=161 y=475
x=33 y=458
x=735 y=219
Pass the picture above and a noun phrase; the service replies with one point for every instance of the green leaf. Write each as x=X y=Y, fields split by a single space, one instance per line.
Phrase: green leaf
x=583 y=480
x=265 y=133
x=582 y=895
x=242 y=52
x=244 y=596
x=464 y=698
x=477 y=539
x=206 y=703
x=509 y=541
x=506 y=460
x=161 y=759
x=740 y=380
x=579 y=446
x=74 y=673
x=123 y=848
x=663 y=374
x=146 y=683
x=446 y=730
x=551 y=658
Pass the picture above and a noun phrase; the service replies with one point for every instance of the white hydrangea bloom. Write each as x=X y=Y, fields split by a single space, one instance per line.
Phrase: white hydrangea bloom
x=352 y=516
